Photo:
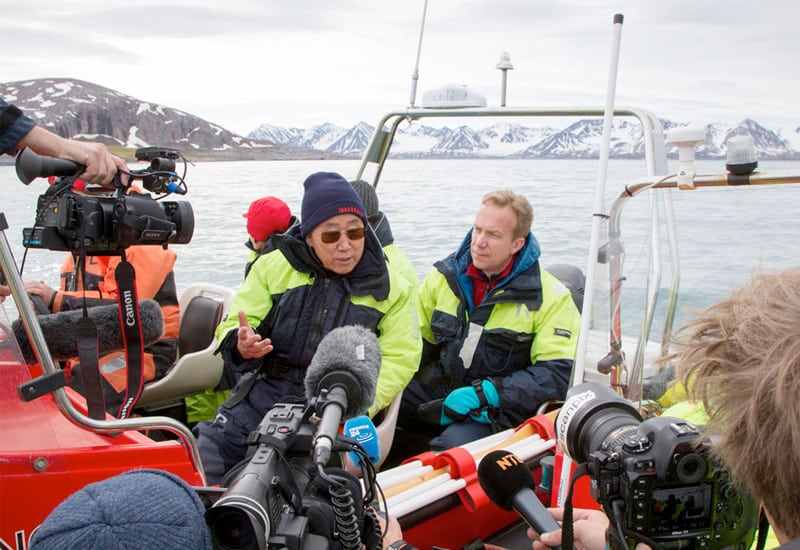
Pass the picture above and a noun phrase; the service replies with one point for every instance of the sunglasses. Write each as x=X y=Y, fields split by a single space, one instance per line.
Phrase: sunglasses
x=355 y=234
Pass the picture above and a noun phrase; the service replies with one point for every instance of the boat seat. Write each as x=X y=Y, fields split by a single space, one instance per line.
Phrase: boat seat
x=203 y=306
x=573 y=278
x=385 y=422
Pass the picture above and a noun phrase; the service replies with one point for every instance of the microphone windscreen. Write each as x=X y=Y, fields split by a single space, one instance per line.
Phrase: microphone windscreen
x=502 y=474
x=61 y=335
x=351 y=349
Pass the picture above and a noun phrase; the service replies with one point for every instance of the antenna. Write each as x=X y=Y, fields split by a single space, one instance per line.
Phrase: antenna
x=415 y=74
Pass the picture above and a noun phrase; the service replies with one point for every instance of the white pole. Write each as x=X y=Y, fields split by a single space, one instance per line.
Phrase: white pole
x=415 y=74
x=594 y=244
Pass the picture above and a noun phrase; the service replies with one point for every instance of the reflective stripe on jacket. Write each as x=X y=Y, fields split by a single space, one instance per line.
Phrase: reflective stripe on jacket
x=525 y=331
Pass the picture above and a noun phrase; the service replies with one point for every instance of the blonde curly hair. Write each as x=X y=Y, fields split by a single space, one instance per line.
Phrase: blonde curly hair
x=741 y=358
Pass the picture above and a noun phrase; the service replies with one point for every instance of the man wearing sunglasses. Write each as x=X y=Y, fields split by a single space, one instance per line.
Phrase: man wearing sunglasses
x=329 y=271
x=499 y=332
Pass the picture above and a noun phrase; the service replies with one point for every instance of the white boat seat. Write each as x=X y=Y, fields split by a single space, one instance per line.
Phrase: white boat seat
x=203 y=306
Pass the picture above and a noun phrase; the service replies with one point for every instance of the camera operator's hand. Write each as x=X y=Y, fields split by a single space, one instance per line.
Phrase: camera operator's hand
x=40 y=289
x=390 y=528
x=4 y=291
x=250 y=344
x=589 y=530
x=100 y=165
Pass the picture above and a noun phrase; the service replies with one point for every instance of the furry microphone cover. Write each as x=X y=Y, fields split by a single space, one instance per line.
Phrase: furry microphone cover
x=60 y=330
x=355 y=350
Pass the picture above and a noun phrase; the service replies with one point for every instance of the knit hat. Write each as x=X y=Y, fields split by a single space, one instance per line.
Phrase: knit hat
x=137 y=509
x=327 y=194
x=266 y=216
x=368 y=196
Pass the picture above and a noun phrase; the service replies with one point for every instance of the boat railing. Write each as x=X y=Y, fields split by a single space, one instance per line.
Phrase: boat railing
x=616 y=249
x=64 y=403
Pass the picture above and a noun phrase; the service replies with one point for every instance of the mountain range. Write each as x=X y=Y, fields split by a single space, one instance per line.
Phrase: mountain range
x=88 y=111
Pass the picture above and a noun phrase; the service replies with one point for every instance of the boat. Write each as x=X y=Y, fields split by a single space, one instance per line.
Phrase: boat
x=50 y=447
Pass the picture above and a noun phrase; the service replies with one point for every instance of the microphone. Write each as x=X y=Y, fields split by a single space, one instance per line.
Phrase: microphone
x=60 y=330
x=342 y=377
x=30 y=166
x=508 y=483
x=362 y=430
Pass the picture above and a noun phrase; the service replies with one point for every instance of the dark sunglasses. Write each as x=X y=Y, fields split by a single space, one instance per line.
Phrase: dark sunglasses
x=355 y=234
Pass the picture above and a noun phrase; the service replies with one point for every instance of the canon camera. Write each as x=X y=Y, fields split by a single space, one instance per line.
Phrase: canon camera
x=655 y=477
x=102 y=221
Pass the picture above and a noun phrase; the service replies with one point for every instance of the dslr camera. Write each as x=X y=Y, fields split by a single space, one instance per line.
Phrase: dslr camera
x=105 y=222
x=655 y=479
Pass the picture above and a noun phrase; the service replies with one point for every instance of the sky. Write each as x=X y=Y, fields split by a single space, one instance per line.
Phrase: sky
x=297 y=63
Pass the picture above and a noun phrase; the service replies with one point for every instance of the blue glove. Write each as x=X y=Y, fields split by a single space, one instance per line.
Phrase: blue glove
x=466 y=403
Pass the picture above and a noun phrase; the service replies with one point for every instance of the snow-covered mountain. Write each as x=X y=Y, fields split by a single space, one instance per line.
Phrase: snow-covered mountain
x=580 y=139
x=89 y=112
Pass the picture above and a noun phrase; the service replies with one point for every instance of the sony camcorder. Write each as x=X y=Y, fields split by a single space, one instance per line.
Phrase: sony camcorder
x=655 y=478
x=278 y=498
x=105 y=222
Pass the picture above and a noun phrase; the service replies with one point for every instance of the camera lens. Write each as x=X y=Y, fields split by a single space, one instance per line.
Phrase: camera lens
x=594 y=417
x=690 y=468
x=233 y=526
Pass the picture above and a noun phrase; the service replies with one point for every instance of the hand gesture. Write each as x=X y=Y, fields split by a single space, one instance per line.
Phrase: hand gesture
x=250 y=344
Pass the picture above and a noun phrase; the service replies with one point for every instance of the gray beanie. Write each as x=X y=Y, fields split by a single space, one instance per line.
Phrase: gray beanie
x=137 y=509
x=368 y=196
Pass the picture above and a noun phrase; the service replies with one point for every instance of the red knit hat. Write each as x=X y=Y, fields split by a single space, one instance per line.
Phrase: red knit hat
x=266 y=216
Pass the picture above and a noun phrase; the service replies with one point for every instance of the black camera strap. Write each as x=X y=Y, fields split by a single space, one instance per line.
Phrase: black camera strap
x=88 y=355
x=90 y=368
x=132 y=334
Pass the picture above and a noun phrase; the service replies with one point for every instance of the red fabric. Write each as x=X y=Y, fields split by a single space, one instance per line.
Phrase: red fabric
x=481 y=284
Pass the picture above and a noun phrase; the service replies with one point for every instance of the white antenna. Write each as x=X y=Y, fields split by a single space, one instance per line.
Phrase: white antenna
x=415 y=74
x=594 y=245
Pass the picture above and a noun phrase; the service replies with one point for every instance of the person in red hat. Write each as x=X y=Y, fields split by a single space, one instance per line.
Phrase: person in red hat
x=268 y=218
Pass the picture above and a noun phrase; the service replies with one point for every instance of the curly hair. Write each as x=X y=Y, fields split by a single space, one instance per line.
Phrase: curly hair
x=741 y=358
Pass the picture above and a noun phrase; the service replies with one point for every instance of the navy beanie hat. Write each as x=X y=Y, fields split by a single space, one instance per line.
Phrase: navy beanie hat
x=326 y=195
x=137 y=509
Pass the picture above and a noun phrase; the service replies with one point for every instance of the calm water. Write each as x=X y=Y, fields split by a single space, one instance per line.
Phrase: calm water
x=724 y=234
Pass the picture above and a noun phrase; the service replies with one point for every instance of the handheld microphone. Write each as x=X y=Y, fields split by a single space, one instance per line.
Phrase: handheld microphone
x=342 y=377
x=30 y=166
x=508 y=483
x=60 y=330
x=361 y=429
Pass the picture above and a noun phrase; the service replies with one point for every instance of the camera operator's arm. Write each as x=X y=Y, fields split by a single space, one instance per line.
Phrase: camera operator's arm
x=589 y=530
x=18 y=131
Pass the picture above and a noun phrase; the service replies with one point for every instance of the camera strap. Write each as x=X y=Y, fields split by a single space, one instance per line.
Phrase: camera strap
x=90 y=368
x=132 y=334
x=88 y=355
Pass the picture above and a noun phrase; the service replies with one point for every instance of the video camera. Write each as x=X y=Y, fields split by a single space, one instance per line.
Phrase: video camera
x=655 y=479
x=279 y=499
x=106 y=222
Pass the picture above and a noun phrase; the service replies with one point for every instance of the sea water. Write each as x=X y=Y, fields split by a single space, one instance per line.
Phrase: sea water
x=724 y=234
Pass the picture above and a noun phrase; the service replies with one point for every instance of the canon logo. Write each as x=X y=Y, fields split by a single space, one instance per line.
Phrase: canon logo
x=130 y=314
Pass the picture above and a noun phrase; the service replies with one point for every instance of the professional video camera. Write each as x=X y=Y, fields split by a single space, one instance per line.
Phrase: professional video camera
x=284 y=495
x=655 y=479
x=104 y=222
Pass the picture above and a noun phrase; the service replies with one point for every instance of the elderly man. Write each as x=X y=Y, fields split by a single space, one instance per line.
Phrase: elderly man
x=329 y=271
x=499 y=332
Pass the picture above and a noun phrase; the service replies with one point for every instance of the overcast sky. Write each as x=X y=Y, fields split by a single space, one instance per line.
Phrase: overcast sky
x=240 y=63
